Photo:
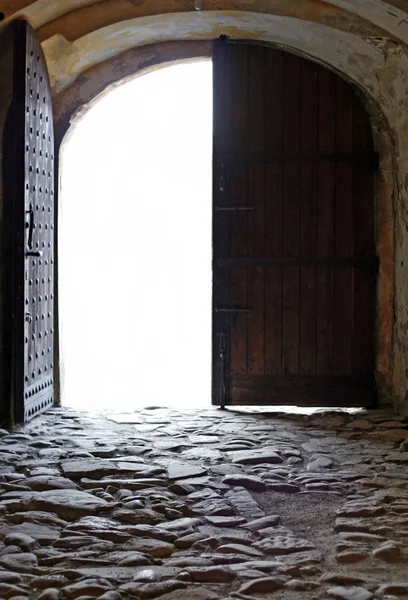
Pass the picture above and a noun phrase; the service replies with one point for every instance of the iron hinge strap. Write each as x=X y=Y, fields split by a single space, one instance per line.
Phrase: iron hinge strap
x=369 y=158
x=219 y=309
x=232 y=208
x=367 y=262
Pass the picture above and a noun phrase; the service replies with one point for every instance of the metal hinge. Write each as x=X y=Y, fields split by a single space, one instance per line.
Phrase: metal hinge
x=368 y=262
x=233 y=208
x=231 y=309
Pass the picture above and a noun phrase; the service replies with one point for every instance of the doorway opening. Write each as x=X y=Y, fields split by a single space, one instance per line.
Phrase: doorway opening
x=135 y=245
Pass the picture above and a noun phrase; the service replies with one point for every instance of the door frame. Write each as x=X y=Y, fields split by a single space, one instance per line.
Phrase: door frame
x=72 y=103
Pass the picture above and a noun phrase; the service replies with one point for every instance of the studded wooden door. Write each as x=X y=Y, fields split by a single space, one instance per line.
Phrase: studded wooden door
x=294 y=267
x=29 y=227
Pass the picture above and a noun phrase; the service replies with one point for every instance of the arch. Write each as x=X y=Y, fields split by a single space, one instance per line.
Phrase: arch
x=76 y=98
x=75 y=18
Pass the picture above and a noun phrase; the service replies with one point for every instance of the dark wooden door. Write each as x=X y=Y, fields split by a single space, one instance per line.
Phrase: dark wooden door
x=29 y=228
x=294 y=266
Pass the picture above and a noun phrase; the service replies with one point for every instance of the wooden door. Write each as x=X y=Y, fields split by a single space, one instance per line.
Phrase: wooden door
x=29 y=228
x=294 y=267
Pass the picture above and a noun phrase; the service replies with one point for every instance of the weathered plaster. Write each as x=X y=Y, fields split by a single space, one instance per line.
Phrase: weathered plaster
x=42 y=11
x=385 y=16
x=81 y=22
x=100 y=79
x=81 y=13
x=382 y=74
x=345 y=52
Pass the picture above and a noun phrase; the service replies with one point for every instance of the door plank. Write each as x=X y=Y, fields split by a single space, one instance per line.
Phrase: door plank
x=221 y=219
x=325 y=223
x=238 y=140
x=308 y=220
x=291 y=213
x=344 y=230
x=256 y=217
x=302 y=390
x=273 y=211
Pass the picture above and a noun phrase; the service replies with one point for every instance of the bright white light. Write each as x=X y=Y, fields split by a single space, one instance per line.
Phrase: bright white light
x=135 y=245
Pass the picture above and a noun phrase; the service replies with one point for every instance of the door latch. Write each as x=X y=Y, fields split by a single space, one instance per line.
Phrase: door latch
x=231 y=309
x=30 y=227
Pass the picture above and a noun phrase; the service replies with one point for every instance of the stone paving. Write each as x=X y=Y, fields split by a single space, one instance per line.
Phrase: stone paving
x=204 y=505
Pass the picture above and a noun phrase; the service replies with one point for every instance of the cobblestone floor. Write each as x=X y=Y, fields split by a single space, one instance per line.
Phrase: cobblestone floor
x=204 y=505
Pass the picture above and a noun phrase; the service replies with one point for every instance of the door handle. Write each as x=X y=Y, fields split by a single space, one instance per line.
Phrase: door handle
x=37 y=253
x=30 y=227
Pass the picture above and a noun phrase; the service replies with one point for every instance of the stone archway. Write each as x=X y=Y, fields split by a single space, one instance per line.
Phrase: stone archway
x=92 y=44
x=79 y=95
